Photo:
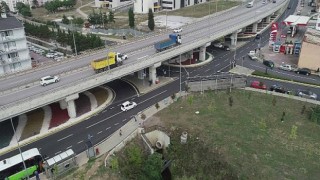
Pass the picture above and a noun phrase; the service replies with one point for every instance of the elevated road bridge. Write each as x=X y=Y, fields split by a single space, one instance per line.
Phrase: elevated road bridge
x=21 y=93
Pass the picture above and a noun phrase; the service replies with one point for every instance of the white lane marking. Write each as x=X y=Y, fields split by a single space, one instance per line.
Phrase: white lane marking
x=104 y=111
x=46 y=158
x=57 y=152
x=107 y=128
x=143 y=56
x=99 y=132
x=124 y=120
x=132 y=98
x=116 y=124
x=153 y=96
x=103 y=120
x=226 y=60
x=111 y=107
x=79 y=142
x=65 y=137
x=69 y=147
x=217 y=65
x=207 y=70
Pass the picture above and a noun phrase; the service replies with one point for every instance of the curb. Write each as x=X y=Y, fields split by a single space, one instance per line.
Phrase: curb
x=83 y=117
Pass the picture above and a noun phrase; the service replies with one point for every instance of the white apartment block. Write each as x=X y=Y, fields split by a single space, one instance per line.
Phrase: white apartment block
x=143 y=6
x=14 y=52
x=13 y=3
x=111 y=3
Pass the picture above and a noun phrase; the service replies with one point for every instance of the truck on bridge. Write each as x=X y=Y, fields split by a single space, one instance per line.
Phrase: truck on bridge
x=174 y=40
x=113 y=59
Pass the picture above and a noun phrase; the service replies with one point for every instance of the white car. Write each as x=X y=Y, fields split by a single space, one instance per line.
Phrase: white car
x=128 y=105
x=177 y=30
x=49 y=80
x=286 y=67
x=50 y=55
x=218 y=45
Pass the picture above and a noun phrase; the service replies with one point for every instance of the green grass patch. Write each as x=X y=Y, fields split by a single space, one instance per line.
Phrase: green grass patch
x=263 y=74
x=245 y=139
x=203 y=9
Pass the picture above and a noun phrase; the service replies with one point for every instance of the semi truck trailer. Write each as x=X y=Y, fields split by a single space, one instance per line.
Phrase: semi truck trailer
x=174 y=40
x=113 y=59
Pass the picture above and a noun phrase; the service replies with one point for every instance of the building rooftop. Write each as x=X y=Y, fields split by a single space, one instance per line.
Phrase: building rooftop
x=9 y=23
x=312 y=36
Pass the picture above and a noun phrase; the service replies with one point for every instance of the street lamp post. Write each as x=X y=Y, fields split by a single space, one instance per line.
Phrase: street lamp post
x=24 y=164
x=166 y=20
x=74 y=41
x=180 y=74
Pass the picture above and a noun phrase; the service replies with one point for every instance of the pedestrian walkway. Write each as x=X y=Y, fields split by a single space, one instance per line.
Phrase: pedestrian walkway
x=241 y=70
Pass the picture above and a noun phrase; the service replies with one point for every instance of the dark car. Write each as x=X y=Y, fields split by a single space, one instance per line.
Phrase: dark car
x=258 y=36
x=268 y=63
x=226 y=48
x=279 y=89
x=304 y=71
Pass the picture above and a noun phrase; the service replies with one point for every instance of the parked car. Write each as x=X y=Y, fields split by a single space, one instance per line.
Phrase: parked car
x=307 y=94
x=279 y=89
x=218 y=45
x=268 y=63
x=252 y=55
x=286 y=67
x=299 y=12
x=49 y=80
x=50 y=55
x=258 y=36
x=226 y=48
x=177 y=30
x=304 y=71
x=128 y=105
x=258 y=85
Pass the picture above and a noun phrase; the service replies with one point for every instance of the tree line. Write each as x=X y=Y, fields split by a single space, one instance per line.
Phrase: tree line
x=83 y=42
x=54 y=6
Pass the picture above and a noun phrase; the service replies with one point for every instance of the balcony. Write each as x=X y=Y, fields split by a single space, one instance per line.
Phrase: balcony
x=10 y=38
x=12 y=60
x=10 y=50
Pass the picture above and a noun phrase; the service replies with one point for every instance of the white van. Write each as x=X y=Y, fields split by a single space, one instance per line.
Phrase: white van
x=250 y=4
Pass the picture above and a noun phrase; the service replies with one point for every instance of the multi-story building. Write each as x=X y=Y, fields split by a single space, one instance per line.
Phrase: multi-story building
x=143 y=6
x=111 y=4
x=14 y=52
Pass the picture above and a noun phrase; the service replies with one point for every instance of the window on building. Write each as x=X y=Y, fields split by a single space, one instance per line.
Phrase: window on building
x=166 y=2
x=188 y=2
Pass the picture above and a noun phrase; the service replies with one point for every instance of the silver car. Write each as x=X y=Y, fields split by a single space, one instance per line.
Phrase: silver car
x=307 y=94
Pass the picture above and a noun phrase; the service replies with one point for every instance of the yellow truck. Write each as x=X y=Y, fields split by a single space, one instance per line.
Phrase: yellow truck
x=113 y=60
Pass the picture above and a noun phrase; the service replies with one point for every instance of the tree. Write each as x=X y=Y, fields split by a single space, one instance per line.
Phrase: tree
x=131 y=18
x=151 y=20
x=111 y=17
x=23 y=9
x=153 y=166
x=4 y=7
x=65 y=20
x=78 y=21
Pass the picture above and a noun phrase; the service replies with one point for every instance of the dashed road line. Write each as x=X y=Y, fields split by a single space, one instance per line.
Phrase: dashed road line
x=65 y=137
x=79 y=142
x=57 y=153
x=99 y=132
x=69 y=147
x=107 y=128
x=116 y=124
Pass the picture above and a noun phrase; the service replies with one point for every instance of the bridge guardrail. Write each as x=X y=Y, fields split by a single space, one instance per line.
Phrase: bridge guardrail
x=59 y=93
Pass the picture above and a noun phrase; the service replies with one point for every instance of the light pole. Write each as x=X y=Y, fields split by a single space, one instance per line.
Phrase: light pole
x=180 y=74
x=166 y=20
x=24 y=164
x=217 y=6
x=74 y=41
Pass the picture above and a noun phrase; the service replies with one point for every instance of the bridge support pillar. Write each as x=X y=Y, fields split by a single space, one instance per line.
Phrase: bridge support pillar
x=202 y=53
x=234 y=38
x=63 y=104
x=153 y=72
x=141 y=74
x=268 y=19
x=71 y=105
x=255 y=27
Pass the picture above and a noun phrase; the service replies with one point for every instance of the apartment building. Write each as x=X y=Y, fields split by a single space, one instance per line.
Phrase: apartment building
x=111 y=4
x=14 y=52
x=143 y=6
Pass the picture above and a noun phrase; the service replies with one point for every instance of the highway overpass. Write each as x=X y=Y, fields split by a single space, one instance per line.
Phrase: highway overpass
x=23 y=92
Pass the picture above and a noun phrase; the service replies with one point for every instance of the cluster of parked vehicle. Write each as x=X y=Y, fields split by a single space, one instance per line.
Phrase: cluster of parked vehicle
x=280 y=89
x=49 y=54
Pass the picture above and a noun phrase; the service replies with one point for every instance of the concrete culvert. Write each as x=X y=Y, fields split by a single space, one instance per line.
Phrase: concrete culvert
x=159 y=144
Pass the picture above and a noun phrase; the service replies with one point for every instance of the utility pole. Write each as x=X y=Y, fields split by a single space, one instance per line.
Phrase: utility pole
x=74 y=41
x=180 y=74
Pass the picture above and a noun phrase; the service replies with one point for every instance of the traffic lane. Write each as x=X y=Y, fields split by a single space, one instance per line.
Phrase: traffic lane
x=287 y=85
x=122 y=89
x=80 y=62
x=38 y=89
x=100 y=126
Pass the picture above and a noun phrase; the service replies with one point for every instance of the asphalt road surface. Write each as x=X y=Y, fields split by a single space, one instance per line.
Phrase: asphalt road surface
x=135 y=50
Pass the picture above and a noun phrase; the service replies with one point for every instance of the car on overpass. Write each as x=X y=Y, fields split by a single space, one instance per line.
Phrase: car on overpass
x=177 y=30
x=49 y=80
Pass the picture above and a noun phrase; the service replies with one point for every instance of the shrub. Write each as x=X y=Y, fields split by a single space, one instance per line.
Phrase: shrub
x=157 y=105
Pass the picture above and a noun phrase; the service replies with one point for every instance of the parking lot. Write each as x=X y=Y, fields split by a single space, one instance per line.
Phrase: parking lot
x=41 y=56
